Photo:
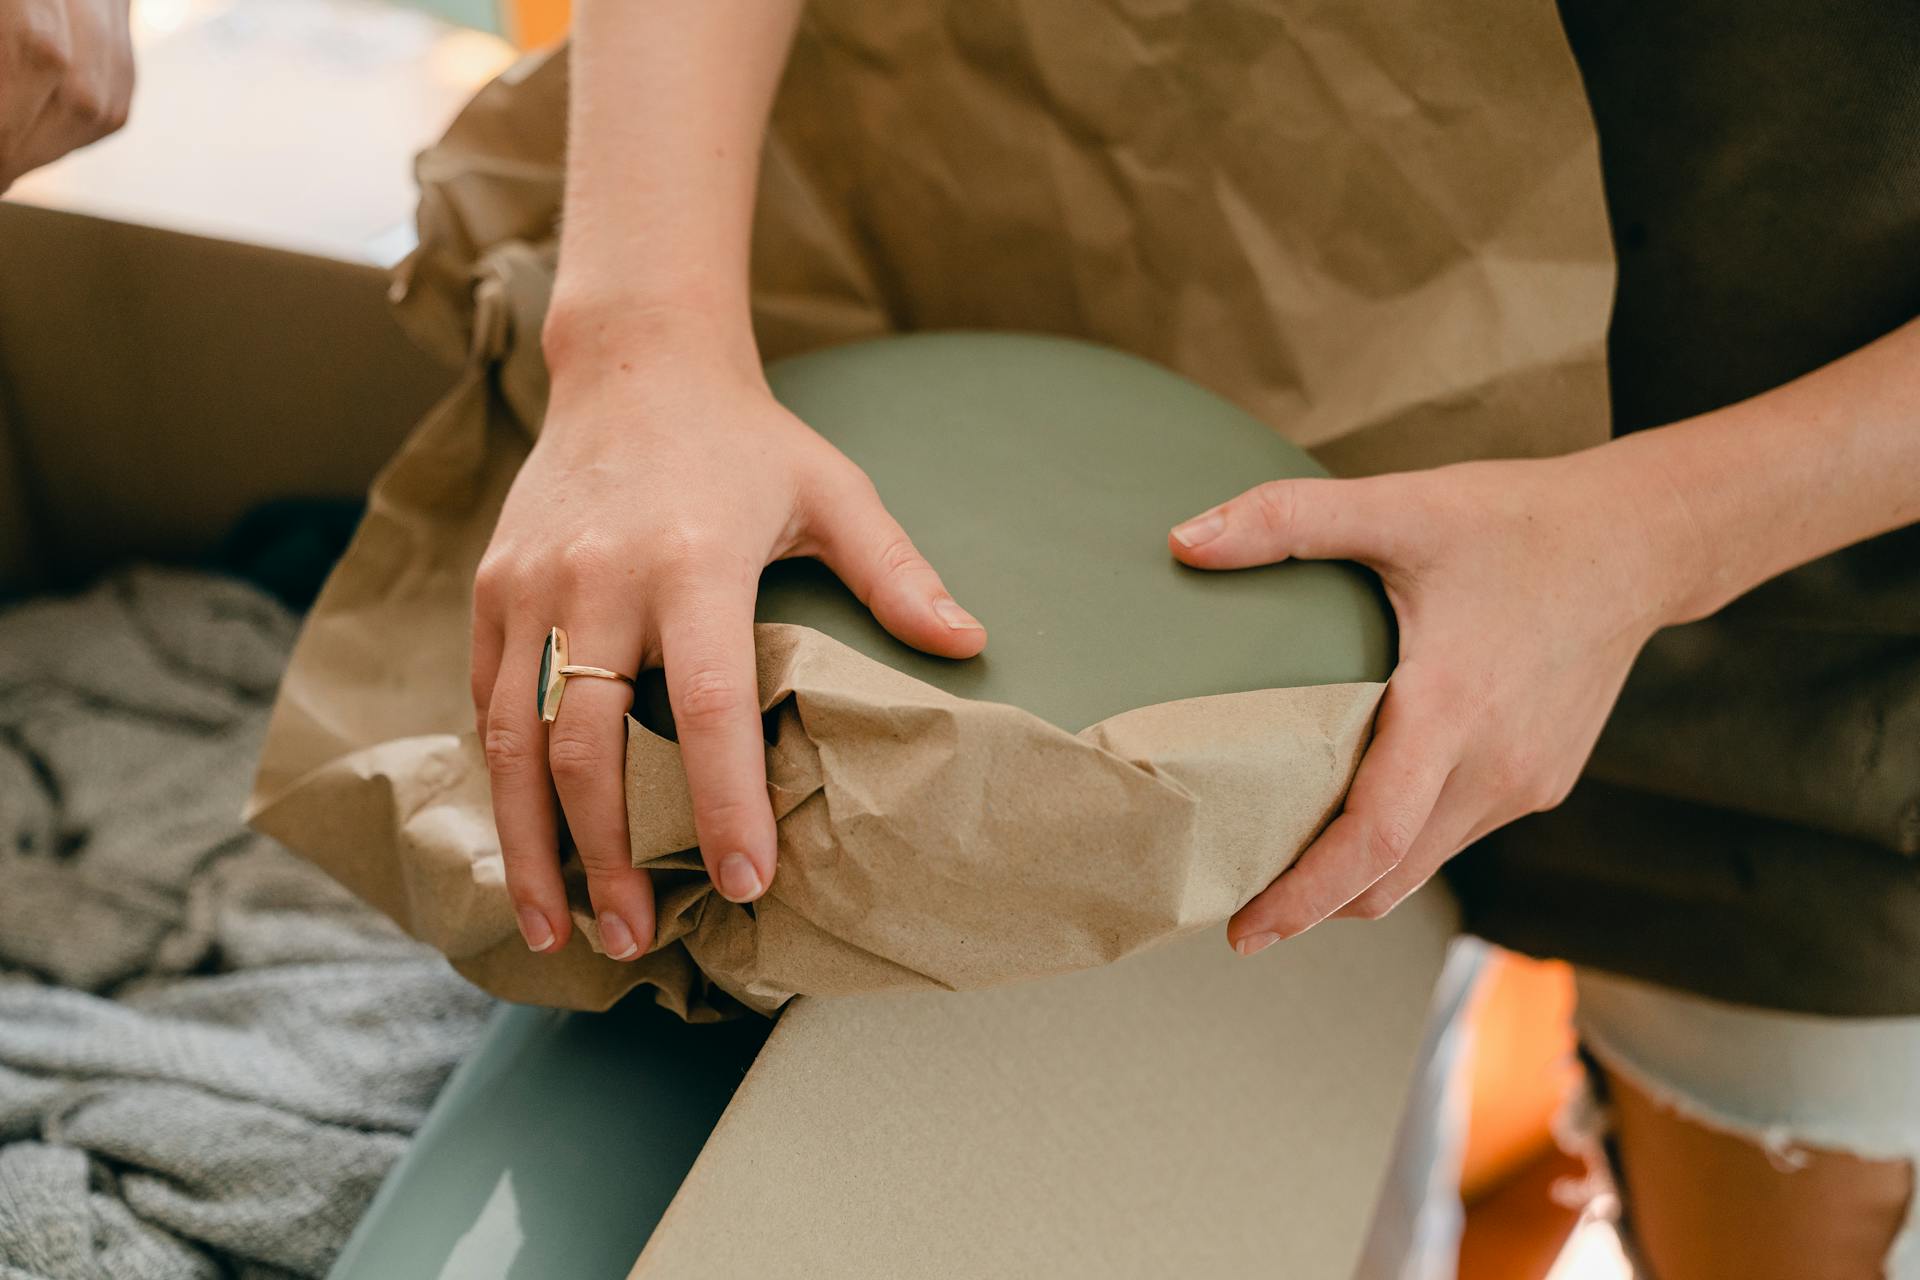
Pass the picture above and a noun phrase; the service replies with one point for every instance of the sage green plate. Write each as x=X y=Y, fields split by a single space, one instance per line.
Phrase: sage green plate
x=1040 y=477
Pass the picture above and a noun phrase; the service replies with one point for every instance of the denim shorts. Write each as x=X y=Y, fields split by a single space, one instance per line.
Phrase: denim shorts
x=1787 y=1082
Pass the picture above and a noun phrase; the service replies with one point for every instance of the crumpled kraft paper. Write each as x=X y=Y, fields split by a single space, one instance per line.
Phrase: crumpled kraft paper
x=928 y=840
x=1378 y=225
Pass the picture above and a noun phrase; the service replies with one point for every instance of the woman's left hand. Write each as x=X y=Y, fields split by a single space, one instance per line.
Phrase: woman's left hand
x=1524 y=590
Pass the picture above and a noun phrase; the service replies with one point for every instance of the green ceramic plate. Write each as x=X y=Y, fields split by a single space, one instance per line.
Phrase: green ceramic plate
x=1040 y=476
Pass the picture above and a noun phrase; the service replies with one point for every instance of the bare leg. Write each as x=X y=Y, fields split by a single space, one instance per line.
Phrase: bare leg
x=1704 y=1204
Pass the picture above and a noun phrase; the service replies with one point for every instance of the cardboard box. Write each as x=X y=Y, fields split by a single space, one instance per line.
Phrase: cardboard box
x=1179 y=1112
x=154 y=386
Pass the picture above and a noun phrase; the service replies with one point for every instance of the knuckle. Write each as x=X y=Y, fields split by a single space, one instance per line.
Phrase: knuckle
x=603 y=861
x=495 y=583
x=1553 y=793
x=691 y=558
x=45 y=46
x=574 y=756
x=507 y=746
x=900 y=558
x=688 y=545
x=841 y=484
x=708 y=695
x=1428 y=690
x=582 y=560
x=532 y=874
x=1274 y=504
x=1387 y=843
x=1512 y=774
x=1373 y=905
x=1451 y=701
x=721 y=818
x=84 y=102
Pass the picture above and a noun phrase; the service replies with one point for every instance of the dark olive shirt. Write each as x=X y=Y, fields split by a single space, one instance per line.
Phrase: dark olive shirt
x=1749 y=827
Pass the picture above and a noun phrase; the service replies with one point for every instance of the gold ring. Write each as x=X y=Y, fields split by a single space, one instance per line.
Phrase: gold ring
x=554 y=670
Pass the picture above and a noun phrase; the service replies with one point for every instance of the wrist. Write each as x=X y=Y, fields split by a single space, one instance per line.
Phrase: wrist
x=1682 y=565
x=589 y=337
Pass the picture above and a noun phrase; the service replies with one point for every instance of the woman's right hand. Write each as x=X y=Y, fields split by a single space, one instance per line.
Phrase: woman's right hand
x=665 y=478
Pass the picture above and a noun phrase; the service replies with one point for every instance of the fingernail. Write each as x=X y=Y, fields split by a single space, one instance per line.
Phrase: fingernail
x=535 y=929
x=954 y=616
x=1200 y=529
x=738 y=879
x=1254 y=943
x=616 y=938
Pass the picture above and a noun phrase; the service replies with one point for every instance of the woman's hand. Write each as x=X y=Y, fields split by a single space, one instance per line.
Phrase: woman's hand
x=1523 y=591
x=661 y=484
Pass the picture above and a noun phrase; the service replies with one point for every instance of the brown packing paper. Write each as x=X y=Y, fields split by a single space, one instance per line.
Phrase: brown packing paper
x=1379 y=226
x=1376 y=226
x=932 y=841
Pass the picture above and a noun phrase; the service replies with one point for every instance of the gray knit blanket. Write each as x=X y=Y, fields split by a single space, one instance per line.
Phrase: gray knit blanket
x=210 y=1055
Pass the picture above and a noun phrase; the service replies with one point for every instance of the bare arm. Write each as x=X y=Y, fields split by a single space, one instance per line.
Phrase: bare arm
x=669 y=103
x=1773 y=482
x=665 y=477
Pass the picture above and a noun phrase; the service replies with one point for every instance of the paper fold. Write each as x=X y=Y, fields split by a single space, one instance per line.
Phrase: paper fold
x=929 y=840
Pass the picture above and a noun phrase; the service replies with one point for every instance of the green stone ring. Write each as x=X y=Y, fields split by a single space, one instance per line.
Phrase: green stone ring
x=554 y=670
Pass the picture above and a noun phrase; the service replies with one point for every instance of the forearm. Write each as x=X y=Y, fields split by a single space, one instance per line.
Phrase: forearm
x=1754 y=489
x=669 y=102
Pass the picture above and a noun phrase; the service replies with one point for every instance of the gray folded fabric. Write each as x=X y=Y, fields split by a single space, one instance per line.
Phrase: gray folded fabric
x=209 y=1053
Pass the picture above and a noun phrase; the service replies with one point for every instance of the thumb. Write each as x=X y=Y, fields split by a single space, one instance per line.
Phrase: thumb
x=1288 y=519
x=862 y=543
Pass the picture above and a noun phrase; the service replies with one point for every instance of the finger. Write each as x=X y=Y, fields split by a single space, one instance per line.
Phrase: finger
x=483 y=666
x=1393 y=794
x=523 y=809
x=1282 y=519
x=1453 y=825
x=706 y=645
x=587 y=751
x=872 y=554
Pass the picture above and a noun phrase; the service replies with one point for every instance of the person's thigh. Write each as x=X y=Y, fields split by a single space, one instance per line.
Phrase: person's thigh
x=1757 y=1144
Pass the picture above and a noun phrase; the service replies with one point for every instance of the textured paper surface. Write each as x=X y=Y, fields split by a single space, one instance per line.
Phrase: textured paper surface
x=1378 y=226
x=932 y=841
